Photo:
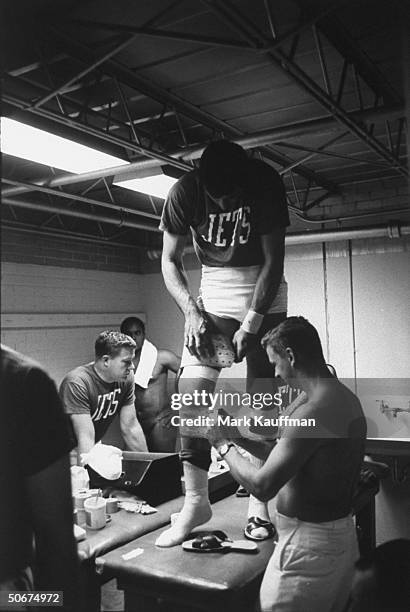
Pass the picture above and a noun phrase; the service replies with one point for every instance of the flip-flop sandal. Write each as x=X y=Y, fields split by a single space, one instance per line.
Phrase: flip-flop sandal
x=256 y=524
x=217 y=541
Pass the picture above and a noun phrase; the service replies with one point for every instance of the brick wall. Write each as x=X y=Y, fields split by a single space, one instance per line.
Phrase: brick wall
x=24 y=247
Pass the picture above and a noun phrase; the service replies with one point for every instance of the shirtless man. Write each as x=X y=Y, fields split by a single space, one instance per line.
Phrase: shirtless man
x=235 y=208
x=151 y=400
x=313 y=474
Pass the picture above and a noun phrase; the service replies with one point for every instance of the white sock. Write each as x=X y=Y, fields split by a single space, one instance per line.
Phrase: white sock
x=196 y=510
x=257 y=507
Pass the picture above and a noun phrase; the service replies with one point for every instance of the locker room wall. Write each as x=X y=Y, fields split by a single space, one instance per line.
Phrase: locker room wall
x=67 y=307
x=54 y=314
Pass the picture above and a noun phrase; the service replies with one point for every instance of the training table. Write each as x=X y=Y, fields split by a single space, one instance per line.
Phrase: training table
x=171 y=579
x=125 y=527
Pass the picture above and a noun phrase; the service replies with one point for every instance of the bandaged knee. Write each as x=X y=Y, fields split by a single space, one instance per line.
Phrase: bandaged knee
x=196 y=449
x=195 y=372
x=199 y=458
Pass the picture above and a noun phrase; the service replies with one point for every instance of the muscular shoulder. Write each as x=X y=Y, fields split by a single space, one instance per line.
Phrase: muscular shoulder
x=336 y=412
x=79 y=375
x=184 y=191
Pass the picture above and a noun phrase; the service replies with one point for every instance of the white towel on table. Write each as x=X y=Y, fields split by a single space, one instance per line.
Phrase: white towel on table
x=148 y=359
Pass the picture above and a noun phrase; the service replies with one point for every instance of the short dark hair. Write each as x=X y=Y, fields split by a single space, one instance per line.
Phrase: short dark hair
x=111 y=342
x=222 y=167
x=126 y=324
x=299 y=335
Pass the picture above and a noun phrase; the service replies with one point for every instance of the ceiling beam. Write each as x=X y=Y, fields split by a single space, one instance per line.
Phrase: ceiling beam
x=165 y=34
x=88 y=129
x=247 y=141
x=165 y=96
x=242 y=24
x=79 y=75
x=348 y=48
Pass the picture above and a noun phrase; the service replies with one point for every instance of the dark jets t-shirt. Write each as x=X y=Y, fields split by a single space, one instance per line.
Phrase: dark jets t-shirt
x=83 y=391
x=228 y=237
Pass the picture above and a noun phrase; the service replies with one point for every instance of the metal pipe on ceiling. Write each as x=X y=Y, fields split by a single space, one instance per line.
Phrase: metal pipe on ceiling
x=249 y=141
x=391 y=230
x=62 y=210
x=80 y=198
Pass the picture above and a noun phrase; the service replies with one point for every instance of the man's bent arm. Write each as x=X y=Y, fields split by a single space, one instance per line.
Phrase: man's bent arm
x=196 y=337
x=49 y=497
x=85 y=433
x=173 y=271
x=169 y=360
x=268 y=281
x=131 y=430
x=285 y=460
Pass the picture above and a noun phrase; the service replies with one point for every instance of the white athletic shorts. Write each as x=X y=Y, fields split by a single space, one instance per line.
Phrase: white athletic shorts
x=228 y=292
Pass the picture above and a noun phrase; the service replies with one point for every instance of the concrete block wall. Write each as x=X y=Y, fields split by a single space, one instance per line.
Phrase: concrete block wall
x=37 y=248
x=54 y=314
x=363 y=197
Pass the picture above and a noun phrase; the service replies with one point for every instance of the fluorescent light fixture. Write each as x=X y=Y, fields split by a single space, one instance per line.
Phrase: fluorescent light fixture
x=42 y=147
x=36 y=145
x=157 y=185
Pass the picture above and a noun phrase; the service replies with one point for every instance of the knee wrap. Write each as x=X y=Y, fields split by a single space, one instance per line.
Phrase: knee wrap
x=200 y=371
x=200 y=458
x=196 y=371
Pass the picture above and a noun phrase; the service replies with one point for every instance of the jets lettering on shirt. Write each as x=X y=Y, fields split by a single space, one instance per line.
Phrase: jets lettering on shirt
x=225 y=228
x=107 y=405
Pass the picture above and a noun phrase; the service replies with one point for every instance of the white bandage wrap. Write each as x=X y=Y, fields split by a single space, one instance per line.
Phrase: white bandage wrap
x=252 y=322
x=200 y=371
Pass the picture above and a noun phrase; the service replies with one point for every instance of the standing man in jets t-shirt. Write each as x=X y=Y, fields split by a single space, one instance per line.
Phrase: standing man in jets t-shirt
x=235 y=209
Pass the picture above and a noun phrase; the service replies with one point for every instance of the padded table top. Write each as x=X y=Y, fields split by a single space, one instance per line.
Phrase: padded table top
x=178 y=574
x=125 y=526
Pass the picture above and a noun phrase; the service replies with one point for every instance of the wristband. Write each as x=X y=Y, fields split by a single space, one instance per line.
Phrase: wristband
x=252 y=322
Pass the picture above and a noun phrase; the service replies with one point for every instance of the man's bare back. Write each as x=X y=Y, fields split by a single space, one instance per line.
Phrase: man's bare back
x=323 y=488
x=154 y=398
x=151 y=400
x=152 y=404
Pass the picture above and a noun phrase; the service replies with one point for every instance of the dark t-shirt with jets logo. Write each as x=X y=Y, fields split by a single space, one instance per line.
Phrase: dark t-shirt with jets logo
x=83 y=391
x=228 y=237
